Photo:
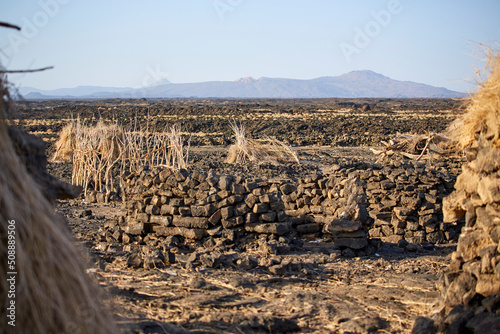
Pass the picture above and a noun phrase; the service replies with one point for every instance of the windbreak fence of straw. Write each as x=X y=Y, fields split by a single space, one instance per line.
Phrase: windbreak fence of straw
x=102 y=150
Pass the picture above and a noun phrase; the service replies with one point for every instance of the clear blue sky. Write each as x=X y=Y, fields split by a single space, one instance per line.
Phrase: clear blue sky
x=134 y=43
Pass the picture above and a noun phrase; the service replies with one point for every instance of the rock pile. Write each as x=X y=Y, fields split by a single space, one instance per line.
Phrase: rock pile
x=333 y=206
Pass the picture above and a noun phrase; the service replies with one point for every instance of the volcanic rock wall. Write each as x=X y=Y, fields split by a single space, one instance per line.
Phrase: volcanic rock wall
x=197 y=205
x=471 y=289
x=394 y=202
x=405 y=200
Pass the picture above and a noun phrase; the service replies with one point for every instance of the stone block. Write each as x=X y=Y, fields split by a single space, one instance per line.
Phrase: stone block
x=233 y=222
x=488 y=189
x=176 y=202
x=143 y=217
x=238 y=189
x=215 y=218
x=225 y=182
x=260 y=208
x=161 y=220
x=191 y=222
x=268 y=216
x=202 y=210
x=336 y=226
x=241 y=209
x=135 y=229
x=269 y=228
x=194 y=234
x=277 y=206
x=251 y=218
x=470 y=242
x=287 y=188
x=153 y=210
x=184 y=211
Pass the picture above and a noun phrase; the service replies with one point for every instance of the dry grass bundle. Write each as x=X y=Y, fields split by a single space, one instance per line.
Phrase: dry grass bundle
x=65 y=144
x=96 y=149
x=416 y=146
x=482 y=118
x=53 y=294
x=261 y=150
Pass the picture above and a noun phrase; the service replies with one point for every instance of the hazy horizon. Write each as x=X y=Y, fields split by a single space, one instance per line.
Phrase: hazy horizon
x=117 y=44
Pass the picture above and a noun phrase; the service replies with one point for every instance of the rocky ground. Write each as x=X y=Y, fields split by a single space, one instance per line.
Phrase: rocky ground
x=318 y=122
x=308 y=289
x=305 y=286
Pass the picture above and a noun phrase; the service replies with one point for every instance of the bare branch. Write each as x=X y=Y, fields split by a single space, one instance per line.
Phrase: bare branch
x=27 y=71
x=8 y=25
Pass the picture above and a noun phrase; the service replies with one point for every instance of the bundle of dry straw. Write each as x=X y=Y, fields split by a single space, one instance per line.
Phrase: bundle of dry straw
x=257 y=150
x=102 y=136
x=53 y=294
x=415 y=147
x=481 y=121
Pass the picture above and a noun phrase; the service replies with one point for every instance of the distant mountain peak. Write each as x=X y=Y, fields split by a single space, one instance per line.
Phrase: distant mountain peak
x=363 y=74
x=246 y=80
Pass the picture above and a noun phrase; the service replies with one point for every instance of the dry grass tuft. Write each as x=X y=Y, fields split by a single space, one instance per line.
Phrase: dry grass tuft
x=482 y=118
x=257 y=150
x=53 y=294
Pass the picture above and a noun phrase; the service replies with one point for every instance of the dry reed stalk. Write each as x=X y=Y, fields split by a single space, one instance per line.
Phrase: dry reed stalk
x=53 y=294
x=151 y=149
x=65 y=144
x=482 y=117
x=257 y=150
x=177 y=152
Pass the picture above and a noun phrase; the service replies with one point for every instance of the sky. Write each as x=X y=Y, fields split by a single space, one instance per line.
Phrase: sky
x=118 y=43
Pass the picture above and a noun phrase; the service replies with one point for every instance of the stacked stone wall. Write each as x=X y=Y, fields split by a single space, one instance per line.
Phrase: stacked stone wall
x=197 y=205
x=471 y=285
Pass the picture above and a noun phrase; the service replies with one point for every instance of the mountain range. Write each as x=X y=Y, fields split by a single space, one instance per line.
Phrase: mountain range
x=355 y=84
